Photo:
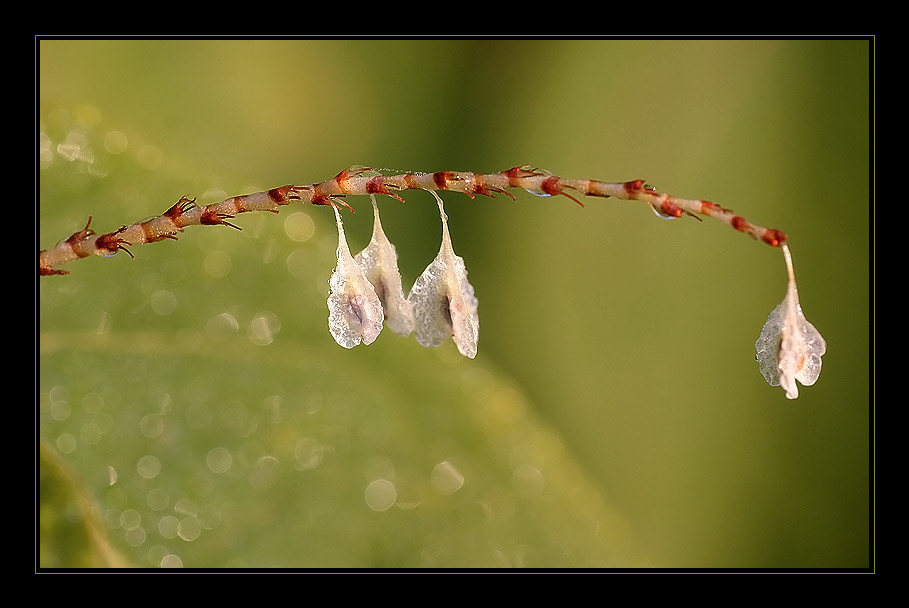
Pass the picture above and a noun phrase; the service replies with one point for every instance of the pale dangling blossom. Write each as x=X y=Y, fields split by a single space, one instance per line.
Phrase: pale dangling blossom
x=380 y=264
x=355 y=312
x=444 y=304
x=789 y=347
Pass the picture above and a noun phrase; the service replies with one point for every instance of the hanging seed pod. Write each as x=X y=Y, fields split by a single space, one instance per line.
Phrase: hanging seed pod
x=355 y=312
x=444 y=304
x=379 y=262
x=789 y=347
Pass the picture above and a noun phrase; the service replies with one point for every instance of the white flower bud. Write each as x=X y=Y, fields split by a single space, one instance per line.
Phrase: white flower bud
x=354 y=310
x=444 y=304
x=380 y=265
x=789 y=347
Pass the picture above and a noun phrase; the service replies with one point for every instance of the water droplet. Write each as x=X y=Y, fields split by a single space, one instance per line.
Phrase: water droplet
x=662 y=215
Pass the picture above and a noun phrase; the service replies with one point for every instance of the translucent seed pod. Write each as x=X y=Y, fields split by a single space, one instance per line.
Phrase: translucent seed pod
x=789 y=347
x=444 y=304
x=354 y=311
x=379 y=262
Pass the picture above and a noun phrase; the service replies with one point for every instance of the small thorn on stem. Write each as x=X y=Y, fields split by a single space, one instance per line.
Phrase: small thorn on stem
x=82 y=234
x=522 y=171
x=211 y=217
x=337 y=200
x=491 y=191
x=708 y=206
x=352 y=171
x=112 y=243
x=279 y=196
x=180 y=207
x=552 y=187
x=334 y=202
x=331 y=201
x=48 y=271
x=377 y=186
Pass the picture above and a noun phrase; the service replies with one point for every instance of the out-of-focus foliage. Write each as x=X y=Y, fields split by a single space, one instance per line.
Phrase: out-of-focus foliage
x=72 y=533
x=203 y=408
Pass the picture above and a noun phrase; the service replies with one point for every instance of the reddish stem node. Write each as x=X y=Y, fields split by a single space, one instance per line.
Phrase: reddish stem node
x=180 y=207
x=83 y=234
x=281 y=196
x=552 y=186
x=210 y=217
x=377 y=186
x=774 y=237
x=112 y=243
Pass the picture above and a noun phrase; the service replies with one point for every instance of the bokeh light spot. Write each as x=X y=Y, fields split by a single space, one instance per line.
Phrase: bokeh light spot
x=219 y=460
x=66 y=443
x=446 y=478
x=380 y=495
x=190 y=528
x=263 y=328
x=168 y=526
x=308 y=453
x=149 y=157
x=222 y=326
x=299 y=227
x=218 y=264
x=157 y=499
x=115 y=142
x=149 y=466
x=171 y=561
x=151 y=426
x=163 y=302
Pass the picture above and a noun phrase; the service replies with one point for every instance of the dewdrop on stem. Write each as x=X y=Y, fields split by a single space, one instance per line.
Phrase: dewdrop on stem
x=656 y=210
x=379 y=261
x=354 y=311
x=789 y=347
x=444 y=304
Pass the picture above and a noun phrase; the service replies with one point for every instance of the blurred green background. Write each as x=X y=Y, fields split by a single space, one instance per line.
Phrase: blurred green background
x=194 y=410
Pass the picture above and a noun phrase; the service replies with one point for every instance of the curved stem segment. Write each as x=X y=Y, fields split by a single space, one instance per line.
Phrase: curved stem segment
x=363 y=181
